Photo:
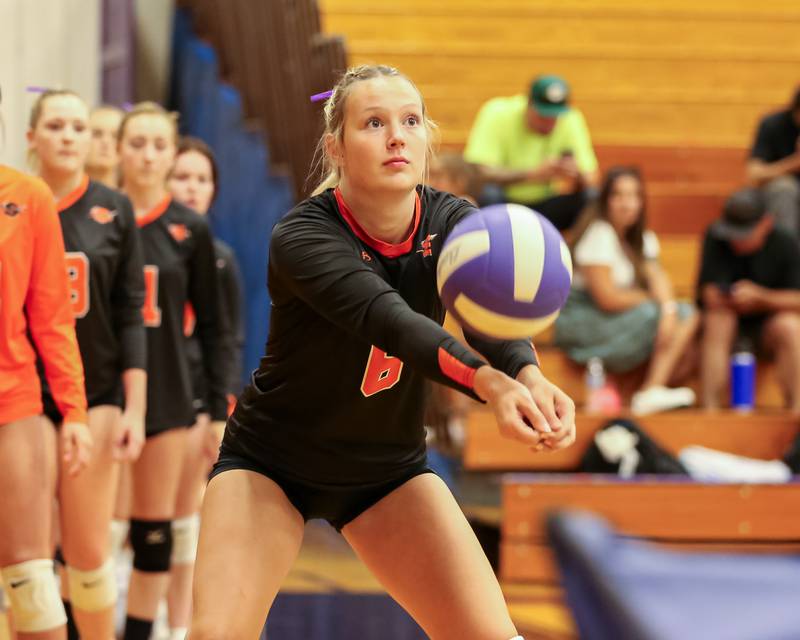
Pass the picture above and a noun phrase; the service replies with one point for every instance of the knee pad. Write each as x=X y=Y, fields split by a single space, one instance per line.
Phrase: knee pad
x=152 y=545
x=34 y=597
x=93 y=590
x=185 y=533
x=118 y=532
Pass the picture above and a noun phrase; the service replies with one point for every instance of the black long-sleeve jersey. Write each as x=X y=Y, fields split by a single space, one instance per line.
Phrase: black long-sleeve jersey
x=104 y=264
x=355 y=330
x=229 y=282
x=179 y=268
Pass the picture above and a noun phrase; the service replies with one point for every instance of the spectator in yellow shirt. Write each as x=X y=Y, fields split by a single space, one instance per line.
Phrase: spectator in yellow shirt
x=537 y=150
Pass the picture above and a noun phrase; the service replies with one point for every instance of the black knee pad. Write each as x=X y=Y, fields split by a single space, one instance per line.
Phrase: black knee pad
x=151 y=541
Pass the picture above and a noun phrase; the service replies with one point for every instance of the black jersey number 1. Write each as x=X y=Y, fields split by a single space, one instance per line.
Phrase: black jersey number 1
x=151 y=312
x=383 y=372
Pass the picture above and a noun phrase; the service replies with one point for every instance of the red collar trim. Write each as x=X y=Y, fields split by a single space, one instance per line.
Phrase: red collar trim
x=73 y=196
x=155 y=213
x=384 y=248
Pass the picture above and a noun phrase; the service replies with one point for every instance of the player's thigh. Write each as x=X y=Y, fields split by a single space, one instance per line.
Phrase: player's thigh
x=87 y=500
x=249 y=538
x=196 y=466
x=27 y=487
x=419 y=545
x=156 y=475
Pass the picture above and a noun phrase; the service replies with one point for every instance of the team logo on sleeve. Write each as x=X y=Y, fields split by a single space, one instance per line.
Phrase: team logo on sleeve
x=101 y=215
x=179 y=232
x=11 y=209
x=426 y=245
x=365 y=256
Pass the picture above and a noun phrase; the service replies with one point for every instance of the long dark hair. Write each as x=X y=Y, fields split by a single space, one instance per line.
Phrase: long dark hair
x=633 y=238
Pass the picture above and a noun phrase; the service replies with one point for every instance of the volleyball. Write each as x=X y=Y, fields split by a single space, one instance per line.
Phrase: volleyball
x=504 y=272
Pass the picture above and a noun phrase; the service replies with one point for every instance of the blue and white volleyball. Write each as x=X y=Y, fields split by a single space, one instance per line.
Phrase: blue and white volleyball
x=504 y=272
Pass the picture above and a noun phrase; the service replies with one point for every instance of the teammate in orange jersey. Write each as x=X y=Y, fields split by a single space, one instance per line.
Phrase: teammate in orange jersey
x=104 y=262
x=331 y=425
x=193 y=182
x=35 y=303
x=179 y=268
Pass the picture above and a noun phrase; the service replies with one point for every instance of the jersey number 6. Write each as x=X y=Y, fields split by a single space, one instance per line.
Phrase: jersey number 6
x=78 y=274
x=383 y=372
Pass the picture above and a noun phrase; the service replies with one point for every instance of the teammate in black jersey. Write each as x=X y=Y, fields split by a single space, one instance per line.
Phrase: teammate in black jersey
x=104 y=264
x=102 y=164
x=179 y=269
x=193 y=182
x=331 y=425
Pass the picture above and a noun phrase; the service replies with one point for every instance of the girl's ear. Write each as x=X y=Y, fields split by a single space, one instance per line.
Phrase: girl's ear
x=333 y=150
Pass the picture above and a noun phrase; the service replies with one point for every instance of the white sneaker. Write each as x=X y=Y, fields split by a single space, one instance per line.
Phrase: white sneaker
x=656 y=399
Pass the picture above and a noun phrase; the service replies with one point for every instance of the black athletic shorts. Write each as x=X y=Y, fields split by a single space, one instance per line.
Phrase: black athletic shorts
x=338 y=504
x=114 y=397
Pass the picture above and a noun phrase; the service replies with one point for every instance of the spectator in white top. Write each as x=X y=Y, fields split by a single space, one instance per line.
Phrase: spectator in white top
x=621 y=308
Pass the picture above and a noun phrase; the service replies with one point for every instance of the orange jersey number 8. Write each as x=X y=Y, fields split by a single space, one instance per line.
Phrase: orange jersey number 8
x=383 y=372
x=151 y=312
x=78 y=274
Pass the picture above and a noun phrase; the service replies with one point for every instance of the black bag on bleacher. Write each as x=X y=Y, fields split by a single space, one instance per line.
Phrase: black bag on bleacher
x=616 y=457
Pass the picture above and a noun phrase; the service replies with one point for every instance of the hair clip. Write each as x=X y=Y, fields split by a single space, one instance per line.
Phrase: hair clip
x=317 y=97
x=36 y=89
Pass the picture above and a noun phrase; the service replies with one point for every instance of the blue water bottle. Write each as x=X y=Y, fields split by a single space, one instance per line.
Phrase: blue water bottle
x=743 y=381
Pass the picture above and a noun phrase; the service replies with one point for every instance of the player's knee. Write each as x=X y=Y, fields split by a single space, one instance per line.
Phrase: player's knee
x=33 y=594
x=212 y=630
x=93 y=590
x=185 y=535
x=785 y=327
x=151 y=541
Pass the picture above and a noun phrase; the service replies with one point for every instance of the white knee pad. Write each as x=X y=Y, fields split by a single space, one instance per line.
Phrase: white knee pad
x=185 y=534
x=119 y=534
x=33 y=593
x=93 y=590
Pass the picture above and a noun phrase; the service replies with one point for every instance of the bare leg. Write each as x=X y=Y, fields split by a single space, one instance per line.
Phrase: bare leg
x=155 y=484
x=195 y=471
x=665 y=358
x=27 y=485
x=249 y=538
x=782 y=337
x=719 y=332
x=87 y=503
x=420 y=547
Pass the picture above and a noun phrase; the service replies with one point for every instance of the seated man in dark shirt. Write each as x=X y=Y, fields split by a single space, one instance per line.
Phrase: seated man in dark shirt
x=775 y=165
x=749 y=286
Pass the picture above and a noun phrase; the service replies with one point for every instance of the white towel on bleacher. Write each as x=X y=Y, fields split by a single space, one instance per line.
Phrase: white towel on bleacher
x=710 y=465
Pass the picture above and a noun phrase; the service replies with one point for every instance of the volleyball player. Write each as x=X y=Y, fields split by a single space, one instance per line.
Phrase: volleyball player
x=331 y=425
x=179 y=269
x=104 y=263
x=34 y=305
x=193 y=182
x=102 y=163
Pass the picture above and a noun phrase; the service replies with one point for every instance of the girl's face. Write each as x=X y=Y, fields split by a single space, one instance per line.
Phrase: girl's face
x=147 y=150
x=192 y=181
x=104 y=125
x=625 y=202
x=384 y=140
x=61 y=136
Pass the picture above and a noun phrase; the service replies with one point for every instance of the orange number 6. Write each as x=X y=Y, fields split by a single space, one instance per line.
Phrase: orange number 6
x=383 y=372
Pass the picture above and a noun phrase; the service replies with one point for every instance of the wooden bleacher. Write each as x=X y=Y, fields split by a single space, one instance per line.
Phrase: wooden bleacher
x=667 y=86
x=678 y=513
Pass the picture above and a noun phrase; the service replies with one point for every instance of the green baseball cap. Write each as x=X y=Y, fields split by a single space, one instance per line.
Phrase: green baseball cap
x=550 y=95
